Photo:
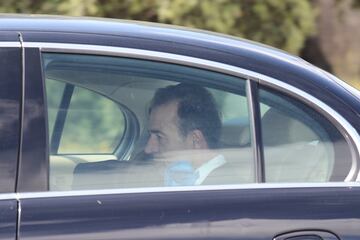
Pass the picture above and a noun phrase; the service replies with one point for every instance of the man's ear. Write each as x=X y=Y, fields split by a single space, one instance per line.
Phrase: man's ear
x=199 y=141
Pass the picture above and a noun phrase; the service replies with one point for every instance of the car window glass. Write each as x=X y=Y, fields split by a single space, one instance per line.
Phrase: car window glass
x=112 y=107
x=300 y=145
x=86 y=110
x=54 y=91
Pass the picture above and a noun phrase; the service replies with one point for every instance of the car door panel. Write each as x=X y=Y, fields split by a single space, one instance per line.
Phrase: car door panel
x=196 y=214
x=8 y=217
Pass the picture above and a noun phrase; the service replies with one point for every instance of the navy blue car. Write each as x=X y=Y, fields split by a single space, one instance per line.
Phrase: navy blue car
x=78 y=139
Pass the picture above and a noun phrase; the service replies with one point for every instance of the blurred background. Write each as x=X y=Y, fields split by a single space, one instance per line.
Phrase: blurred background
x=326 y=33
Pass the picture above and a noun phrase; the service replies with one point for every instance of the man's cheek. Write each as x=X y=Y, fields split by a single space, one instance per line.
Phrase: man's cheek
x=163 y=147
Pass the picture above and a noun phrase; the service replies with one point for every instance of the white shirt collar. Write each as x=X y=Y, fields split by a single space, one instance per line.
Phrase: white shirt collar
x=205 y=169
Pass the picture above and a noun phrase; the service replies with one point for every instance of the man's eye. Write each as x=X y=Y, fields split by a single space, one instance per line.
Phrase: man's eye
x=160 y=138
x=156 y=136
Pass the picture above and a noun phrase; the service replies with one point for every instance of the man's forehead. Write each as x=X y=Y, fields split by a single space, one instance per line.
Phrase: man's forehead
x=166 y=108
x=163 y=114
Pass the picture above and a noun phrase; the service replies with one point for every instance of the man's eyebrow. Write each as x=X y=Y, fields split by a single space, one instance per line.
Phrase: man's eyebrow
x=155 y=131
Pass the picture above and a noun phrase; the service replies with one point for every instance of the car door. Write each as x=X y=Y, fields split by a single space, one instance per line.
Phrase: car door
x=120 y=194
x=10 y=105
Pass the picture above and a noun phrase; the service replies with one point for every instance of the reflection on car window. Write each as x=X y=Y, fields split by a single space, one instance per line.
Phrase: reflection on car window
x=300 y=145
x=92 y=125
x=179 y=126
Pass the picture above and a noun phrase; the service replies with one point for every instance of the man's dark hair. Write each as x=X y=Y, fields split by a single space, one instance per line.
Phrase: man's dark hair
x=196 y=110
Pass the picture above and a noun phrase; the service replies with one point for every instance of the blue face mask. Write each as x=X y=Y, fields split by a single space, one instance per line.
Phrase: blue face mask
x=180 y=173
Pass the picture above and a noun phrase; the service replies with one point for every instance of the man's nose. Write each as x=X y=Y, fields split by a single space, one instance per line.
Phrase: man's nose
x=152 y=145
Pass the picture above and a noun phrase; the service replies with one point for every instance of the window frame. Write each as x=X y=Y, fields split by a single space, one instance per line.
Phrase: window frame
x=346 y=129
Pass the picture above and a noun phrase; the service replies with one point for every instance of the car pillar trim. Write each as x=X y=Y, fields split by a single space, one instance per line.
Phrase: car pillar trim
x=256 y=142
x=261 y=186
x=341 y=123
x=22 y=108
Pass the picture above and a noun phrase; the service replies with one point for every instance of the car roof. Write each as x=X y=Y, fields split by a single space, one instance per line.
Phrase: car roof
x=253 y=56
x=145 y=30
x=117 y=27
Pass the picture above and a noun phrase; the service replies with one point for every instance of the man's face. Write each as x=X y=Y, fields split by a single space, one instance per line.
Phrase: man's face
x=164 y=132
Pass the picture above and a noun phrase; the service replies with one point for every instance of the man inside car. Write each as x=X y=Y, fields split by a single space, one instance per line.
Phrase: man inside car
x=184 y=128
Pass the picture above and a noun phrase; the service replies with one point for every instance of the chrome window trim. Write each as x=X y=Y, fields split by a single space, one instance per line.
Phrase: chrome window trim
x=350 y=134
x=8 y=196
x=10 y=44
x=18 y=216
x=254 y=140
x=259 y=186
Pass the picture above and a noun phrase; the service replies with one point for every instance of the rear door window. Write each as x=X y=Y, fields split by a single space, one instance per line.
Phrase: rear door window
x=108 y=127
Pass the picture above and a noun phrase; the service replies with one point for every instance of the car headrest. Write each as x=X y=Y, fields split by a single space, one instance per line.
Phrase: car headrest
x=279 y=128
x=93 y=174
